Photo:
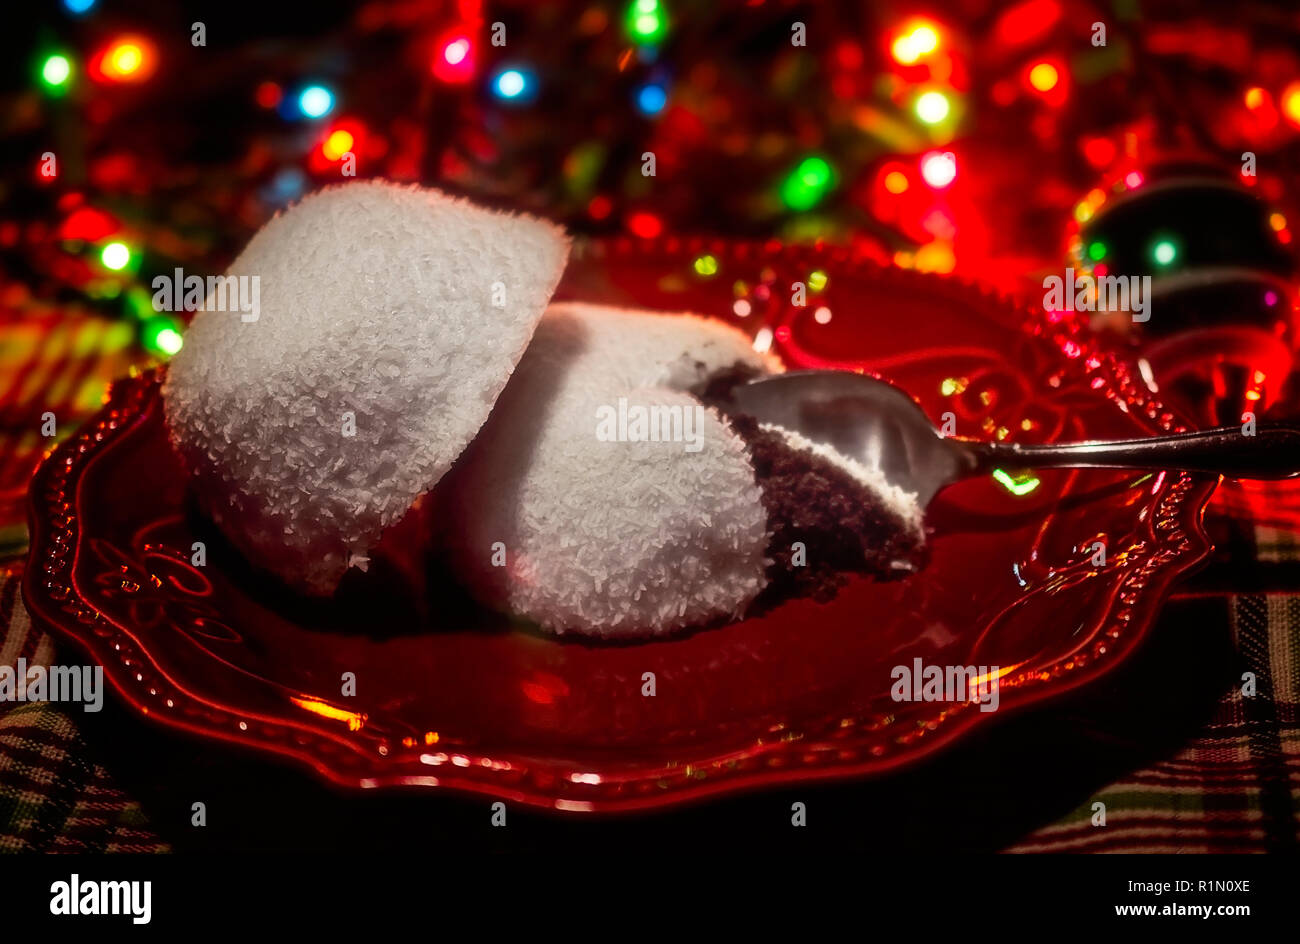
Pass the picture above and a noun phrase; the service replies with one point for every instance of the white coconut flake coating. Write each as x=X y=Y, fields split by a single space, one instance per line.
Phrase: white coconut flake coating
x=678 y=350
x=902 y=504
x=610 y=538
x=392 y=313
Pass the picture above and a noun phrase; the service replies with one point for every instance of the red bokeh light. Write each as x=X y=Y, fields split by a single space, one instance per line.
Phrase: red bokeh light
x=268 y=94
x=1027 y=22
x=89 y=224
x=646 y=225
x=453 y=58
x=1100 y=152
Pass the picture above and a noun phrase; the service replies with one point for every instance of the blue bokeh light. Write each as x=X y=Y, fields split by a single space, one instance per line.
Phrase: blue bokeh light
x=316 y=101
x=651 y=99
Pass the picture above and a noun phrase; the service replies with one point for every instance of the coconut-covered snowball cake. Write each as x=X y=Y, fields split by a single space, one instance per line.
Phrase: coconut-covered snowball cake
x=608 y=497
x=390 y=319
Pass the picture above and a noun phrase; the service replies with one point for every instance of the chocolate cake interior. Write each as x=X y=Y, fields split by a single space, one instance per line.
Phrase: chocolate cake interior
x=843 y=525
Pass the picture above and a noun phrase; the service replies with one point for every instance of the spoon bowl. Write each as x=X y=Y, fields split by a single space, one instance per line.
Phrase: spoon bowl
x=879 y=425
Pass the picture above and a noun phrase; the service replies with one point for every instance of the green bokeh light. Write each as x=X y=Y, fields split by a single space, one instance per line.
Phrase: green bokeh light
x=56 y=70
x=168 y=340
x=115 y=256
x=1164 y=252
x=706 y=265
x=161 y=335
x=807 y=184
x=646 y=22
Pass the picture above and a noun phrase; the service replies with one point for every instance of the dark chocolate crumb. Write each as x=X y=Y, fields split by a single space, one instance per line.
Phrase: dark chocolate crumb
x=844 y=527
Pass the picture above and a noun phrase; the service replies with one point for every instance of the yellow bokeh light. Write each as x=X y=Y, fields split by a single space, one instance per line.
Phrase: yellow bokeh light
x=126 y=58
x=932 y=107
x=936 y=257
x=1291 y=103
x=896 y=182
x=1044 y=77
x=338 y=144
x=915 y=43
x=924 y=40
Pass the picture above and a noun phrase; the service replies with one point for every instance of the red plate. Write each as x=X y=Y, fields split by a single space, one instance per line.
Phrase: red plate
x=448 y=697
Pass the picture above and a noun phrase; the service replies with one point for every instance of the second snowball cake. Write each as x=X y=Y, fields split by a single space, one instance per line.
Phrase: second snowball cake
x=608 y=496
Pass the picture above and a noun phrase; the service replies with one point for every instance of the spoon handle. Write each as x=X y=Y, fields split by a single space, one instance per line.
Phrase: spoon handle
x=1273 y=452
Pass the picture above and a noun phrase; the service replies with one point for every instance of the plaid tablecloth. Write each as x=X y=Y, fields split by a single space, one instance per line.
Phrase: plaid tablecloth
x=1235 y=785
x=52 y=361
x=52 y=798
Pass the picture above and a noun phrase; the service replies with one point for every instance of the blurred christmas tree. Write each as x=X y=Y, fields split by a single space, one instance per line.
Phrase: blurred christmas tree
x=144 y=136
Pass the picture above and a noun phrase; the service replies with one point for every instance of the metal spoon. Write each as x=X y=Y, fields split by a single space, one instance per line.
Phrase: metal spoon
x=882 y=427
